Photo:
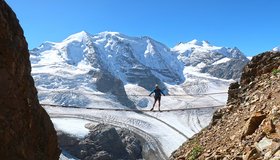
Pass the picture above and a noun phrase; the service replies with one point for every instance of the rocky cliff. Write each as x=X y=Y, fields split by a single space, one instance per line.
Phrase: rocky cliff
x=249 y=126
x=26 y=131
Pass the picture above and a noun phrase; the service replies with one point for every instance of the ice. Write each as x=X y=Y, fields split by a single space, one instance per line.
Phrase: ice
x=71 y=126
x=168 y=137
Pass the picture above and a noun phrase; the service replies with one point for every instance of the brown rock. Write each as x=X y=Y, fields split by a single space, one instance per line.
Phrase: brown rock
x=251 y=155
x=26 y=131
x=274 y=136
x=275 y=147
x=268 y=127
x=276 y=156
x=258 y=137
x=253 y=123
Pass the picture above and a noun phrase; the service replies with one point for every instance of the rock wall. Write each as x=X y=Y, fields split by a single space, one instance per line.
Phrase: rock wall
x=26 y=131
x=248 y=128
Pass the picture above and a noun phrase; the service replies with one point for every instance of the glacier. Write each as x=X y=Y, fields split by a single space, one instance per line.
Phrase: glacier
x=111 y=70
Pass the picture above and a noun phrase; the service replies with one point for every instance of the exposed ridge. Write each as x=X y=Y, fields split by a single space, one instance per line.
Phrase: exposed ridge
x=248 y=127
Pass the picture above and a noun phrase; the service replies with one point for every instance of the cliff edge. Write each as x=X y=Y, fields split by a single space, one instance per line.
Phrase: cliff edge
x=26 y=131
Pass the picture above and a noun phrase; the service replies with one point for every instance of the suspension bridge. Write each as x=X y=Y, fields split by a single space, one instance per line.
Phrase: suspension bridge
x=196 y=98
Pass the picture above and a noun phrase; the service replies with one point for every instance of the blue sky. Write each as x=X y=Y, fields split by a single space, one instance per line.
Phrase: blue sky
x=251 y=25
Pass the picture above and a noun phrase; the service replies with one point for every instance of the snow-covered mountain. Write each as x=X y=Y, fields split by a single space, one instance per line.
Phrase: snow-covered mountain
x=276 y=49
x=85 y=69
x=220 y=62
x=112 y=70
x=103 y=63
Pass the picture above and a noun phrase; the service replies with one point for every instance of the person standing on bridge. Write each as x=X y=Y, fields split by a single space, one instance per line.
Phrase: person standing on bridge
x=157 y=96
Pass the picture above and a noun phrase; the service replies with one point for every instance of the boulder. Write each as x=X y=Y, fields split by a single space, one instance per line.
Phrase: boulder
x=253 y=124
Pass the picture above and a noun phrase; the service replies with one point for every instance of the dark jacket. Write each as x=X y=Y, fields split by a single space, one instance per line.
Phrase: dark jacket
x=157 y=92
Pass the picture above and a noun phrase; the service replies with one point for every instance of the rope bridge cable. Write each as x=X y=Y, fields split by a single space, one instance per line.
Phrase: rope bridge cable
x=215 y=99
x=197 y=97
x=144 y=95
x=132 y=110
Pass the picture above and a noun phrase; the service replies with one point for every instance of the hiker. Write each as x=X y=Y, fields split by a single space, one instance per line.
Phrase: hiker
x=157 y=96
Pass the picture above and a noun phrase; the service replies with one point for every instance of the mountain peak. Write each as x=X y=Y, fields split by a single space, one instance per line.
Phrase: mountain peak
x=109 y=33
x=78 y=36
x=198 y=43
x=194 y=44
x=276 y=49
x=206 y=42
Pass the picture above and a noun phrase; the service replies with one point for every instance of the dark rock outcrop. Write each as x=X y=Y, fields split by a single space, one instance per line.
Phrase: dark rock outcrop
x=229 y=70
x=104 y=142
x=233 y=93
x=107 y=83
x=248 y=128
x=26 y=131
